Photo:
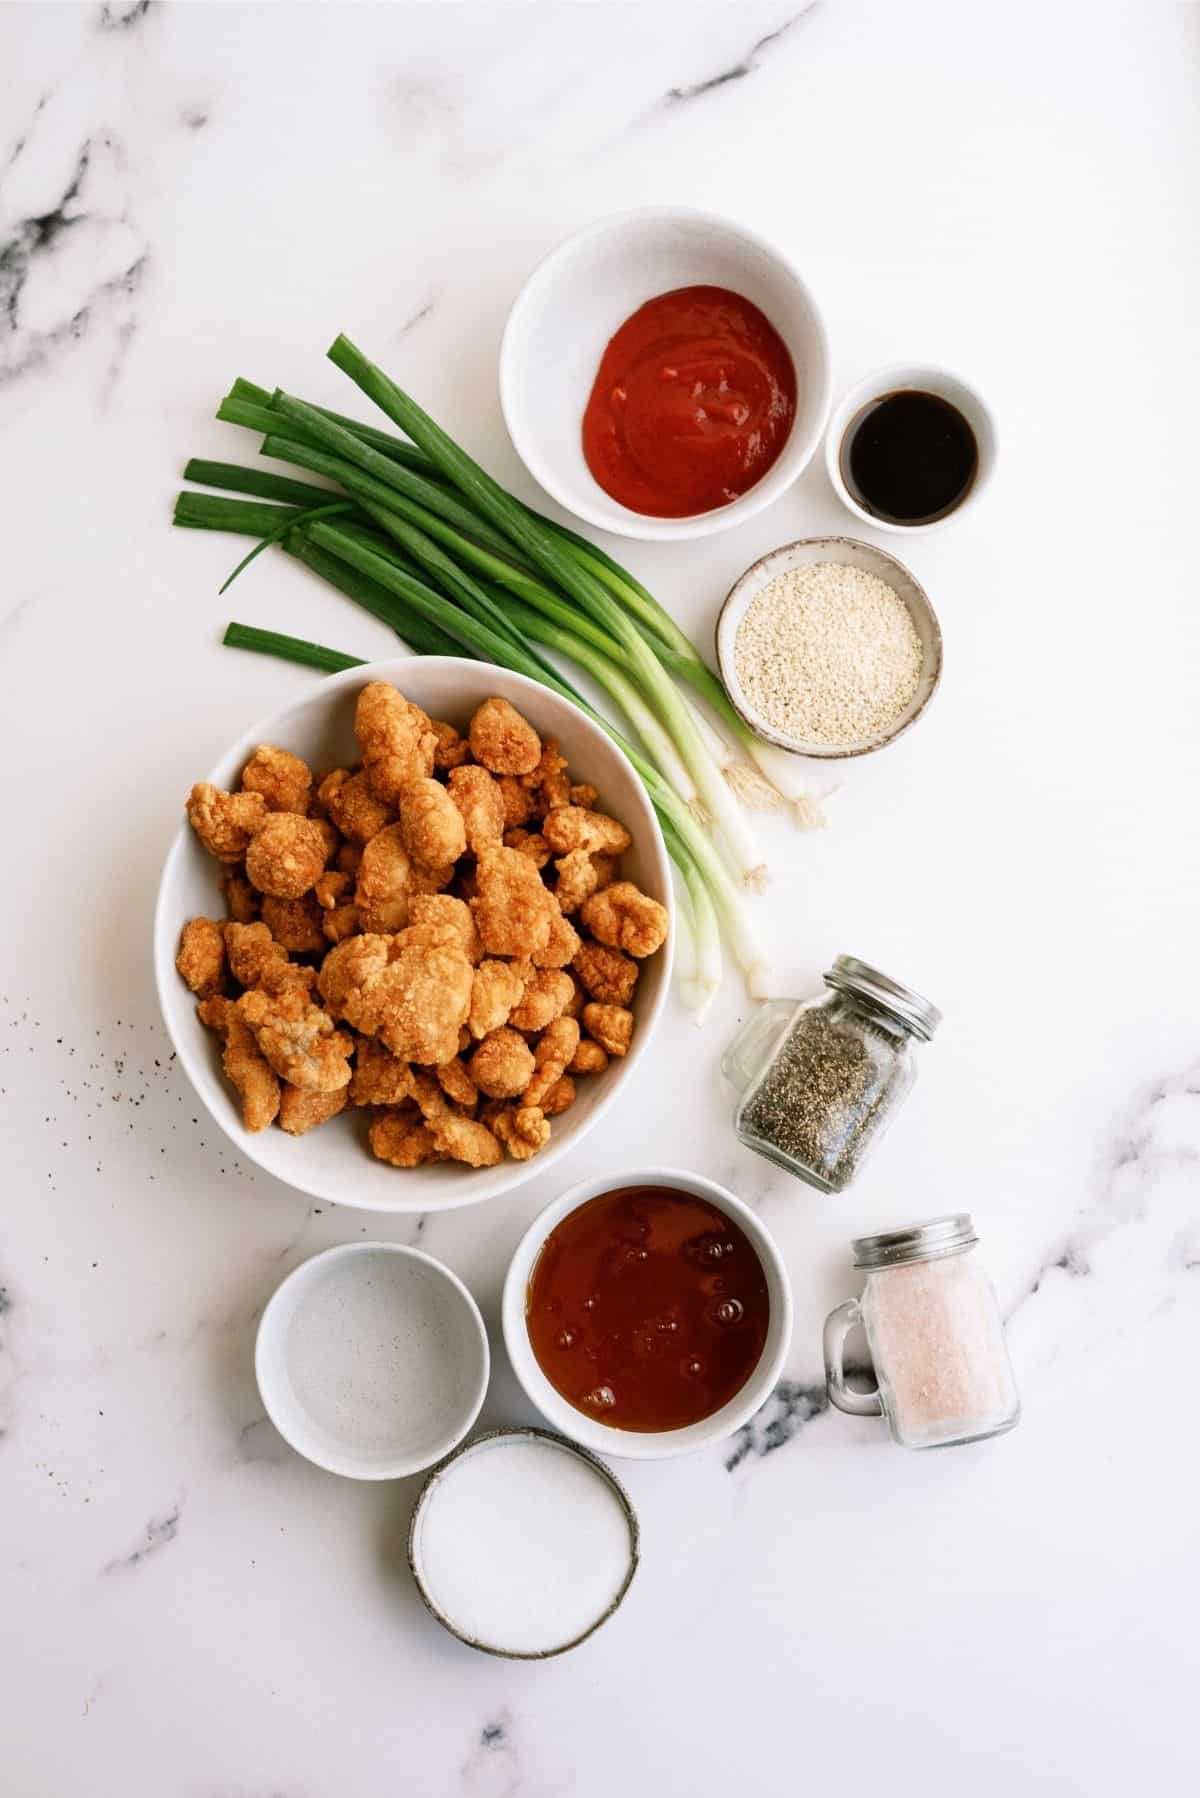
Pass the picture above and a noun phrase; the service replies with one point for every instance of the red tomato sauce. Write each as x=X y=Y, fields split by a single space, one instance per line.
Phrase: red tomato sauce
x=692 y=403
x=647 y=1308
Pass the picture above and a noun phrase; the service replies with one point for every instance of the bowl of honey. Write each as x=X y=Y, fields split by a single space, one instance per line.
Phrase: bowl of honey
x=647 y=1314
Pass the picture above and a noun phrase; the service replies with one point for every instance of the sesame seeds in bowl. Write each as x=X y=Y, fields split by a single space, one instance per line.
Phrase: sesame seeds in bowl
x=829 y=647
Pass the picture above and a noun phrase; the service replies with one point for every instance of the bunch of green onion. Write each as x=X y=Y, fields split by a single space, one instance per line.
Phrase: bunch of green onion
x=419 y=534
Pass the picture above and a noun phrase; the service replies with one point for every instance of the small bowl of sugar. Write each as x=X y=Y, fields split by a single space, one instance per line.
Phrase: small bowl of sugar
x=829 y=647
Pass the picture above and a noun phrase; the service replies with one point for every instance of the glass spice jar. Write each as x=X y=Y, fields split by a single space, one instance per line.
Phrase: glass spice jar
x=935 y=1337
x=820 y=1079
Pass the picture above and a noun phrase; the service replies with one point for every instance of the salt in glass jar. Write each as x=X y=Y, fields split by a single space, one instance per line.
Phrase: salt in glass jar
x=820 y=1079
x=935 y=1337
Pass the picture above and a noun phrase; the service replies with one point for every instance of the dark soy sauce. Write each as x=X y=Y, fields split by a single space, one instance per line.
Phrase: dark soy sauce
x=909 y=457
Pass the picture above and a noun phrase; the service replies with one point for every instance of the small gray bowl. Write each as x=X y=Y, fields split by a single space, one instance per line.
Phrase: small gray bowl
x=804 y=554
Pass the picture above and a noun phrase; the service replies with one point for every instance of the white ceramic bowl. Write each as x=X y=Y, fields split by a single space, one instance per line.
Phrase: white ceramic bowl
x=651 y=1445
x=372 y=1360
x=584 y=291
x=334 y=1162
x=904 y=377
x=803 y=554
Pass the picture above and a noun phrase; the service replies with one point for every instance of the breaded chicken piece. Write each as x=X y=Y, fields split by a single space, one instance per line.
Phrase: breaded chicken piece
x=403 y=1139
x=589 y=1058
x=578 y=1000
x=479 y=799
x=349 y=980
x=252 y=950
x=626 y=918
x=225 y=822
x=395 y=738
x=586 y=796
x=496 y=987
x=524 y=1131
x=457 y=1084
x=298 y=1038
x=578 y=879
x=295 y=923
x=551 y=1058
x=348 y=858
x=300 y=1111
x=431 y=824
x=513 y=911
x=385 y=879
x=518 y=802
x=607 y=975
x=286 y=855
x=379 y=1077
x=529 y=843
x=245 y=1065
x=462 y=1139
x=241 y=900
x=442 y=911
x=452 y=749
x=331 y=837
x=574 y=827
x=610 y=1025
x=284 y=781
x=201 y=957
x=334 y=894
x=502 y=740
x=545 y=998
x=503 y=1064
x=562 y=945
x=420 y=1000
x=550 y=777
x=560 y=1098
x=352 y=806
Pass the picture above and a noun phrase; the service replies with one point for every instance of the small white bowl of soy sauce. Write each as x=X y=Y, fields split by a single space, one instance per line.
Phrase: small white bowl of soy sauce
x=910 y=447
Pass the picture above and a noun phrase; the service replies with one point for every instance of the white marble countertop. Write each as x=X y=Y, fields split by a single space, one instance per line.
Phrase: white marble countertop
x=191 y=193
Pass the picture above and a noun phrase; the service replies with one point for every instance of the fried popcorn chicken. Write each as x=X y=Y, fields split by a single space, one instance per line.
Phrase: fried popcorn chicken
x=607 y=975
x=518 y=802
x=522 y=1131
x=331 y=840
x=514 y=911
x=252 y=950
x=462 y=1139
x=348 y=858
x=286 y=855
x=577 y=1002
x=201 y=957
x=298 y=1038
x=481 y=803
x=385 y=878
x=225 y=822
x=402 y=1139
x=457 y=1084
x=334 y=894
x=502 y=740
x=349 y=980
x=379 y=1077
x=545 y=998
x=295 y=923
x=586 y=796
x=610 y=1025
x=550 y=777
x=529 y=843
x=560 y=1098
x=452 y=749
x=431 y=825
x=353 y=807
x=626 y=918
x=589 y=1058
x=396 y=739
x=284 y=781
x=241 y=900
x=575 y=827
x=503 y=1064
x=577 y=880
x=496 y=987
x=551 y=1057
x=561 y=945
x=245 y=1066
x=424 y=996
x=443 y=912
x=301 y=1111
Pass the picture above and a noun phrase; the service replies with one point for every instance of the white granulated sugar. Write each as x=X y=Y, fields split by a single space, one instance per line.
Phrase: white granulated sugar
x=828 y=654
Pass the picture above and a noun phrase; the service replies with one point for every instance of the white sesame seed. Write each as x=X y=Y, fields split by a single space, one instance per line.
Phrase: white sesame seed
x=828 y=654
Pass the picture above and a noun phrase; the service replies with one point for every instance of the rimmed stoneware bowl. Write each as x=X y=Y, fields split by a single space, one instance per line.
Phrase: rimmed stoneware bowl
x=649 y=1445
x=584 y=291
x=803 y=554
x=334 y=1161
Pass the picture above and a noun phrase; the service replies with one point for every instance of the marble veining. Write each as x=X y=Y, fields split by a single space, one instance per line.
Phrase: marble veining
x=746 y=65
x=160 y=1531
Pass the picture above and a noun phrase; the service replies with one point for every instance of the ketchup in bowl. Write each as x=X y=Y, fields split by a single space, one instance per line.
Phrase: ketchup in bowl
x=692 y=403
x=647 y=1308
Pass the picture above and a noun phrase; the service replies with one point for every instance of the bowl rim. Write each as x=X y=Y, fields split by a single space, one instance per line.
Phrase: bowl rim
x=165 y=936
x=778 y=478
x=634 y=1445
x=345 y=1464
x=750 y=582
x=933 y=377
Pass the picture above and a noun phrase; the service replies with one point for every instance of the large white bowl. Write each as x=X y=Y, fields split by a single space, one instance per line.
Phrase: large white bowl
x=646 y=1445
x=584 y=291
x=334 y=1162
